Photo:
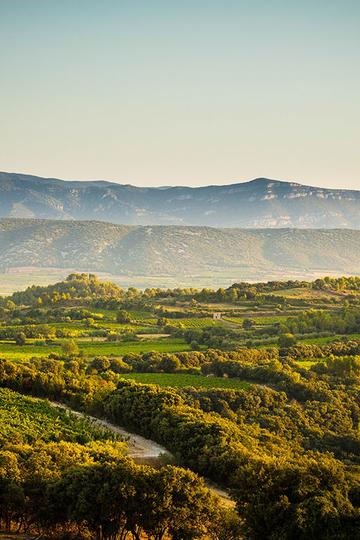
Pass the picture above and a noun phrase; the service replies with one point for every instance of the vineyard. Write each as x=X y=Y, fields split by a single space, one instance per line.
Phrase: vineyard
x=196 y=322
x=27 y=420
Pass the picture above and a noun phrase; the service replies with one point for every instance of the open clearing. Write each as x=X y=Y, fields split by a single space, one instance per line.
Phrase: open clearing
x=181 y=380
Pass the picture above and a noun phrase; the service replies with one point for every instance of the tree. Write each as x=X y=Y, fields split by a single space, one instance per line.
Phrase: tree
x=181 y=506
x=286 y=340
x=70 y=348
x=162 y=321
x=170 y=364
x=100 y=363
x=20 y=338
x=119 y=366
x=90 y=322
x=10 y=305
x=306 y=500
x=123 y=317
x=248 y=323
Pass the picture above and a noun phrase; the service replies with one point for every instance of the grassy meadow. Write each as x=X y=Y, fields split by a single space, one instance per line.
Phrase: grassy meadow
x=182 y=380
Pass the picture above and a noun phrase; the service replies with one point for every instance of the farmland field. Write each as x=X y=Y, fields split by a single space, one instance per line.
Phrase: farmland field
x=121 y=348
x=329 y=339
x=195 y=322
x=17 y=352
x=30 y=419
x=258 y=318
x=179 y=380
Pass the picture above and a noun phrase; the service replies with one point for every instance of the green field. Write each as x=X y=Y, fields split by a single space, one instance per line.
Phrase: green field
x=258 y=318
x=181 y=380
x=121 y=348
x=120 y=326
x=194 y=322
x=27 y=419
x=18 y=352
x=307 y=364
x=11 y=351
x=329 y=339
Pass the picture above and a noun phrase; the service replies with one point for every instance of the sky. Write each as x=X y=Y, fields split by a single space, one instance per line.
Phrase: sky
x=189 y=92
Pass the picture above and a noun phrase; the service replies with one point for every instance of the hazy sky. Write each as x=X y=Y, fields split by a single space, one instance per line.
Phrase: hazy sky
x=190 y=92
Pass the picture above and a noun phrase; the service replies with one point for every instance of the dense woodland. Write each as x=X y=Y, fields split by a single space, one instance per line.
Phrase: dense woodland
x=283 y=440
x=88 y=287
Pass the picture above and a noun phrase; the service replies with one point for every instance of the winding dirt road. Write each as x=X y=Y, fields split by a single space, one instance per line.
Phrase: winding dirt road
x=138 y=447
x=142 y=449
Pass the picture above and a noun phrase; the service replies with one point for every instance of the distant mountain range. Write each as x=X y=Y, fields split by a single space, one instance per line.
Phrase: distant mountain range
x=178 y=250
x=259 y=203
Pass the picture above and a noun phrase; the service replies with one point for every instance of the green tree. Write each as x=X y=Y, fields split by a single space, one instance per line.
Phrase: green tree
x=100 y=363
x=20 y=338
x=123 y=317
x=306 y=500
x=248 y=324
x=286 y=340
x=169 y=364
x=70 y=348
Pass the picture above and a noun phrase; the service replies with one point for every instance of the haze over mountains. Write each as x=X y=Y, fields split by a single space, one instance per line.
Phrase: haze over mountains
x=259 y=203
x=177 y=251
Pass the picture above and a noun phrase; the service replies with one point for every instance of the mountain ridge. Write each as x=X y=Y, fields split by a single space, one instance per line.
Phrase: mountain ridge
x=258 y=179
x=258 y=203
x=158 y=250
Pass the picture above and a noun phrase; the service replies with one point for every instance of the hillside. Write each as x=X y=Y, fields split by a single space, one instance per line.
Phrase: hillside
x=177 y=251
x=255 y=204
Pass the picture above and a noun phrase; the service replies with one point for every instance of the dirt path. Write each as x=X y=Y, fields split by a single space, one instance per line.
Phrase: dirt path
x=138 y=446
x=142 y=449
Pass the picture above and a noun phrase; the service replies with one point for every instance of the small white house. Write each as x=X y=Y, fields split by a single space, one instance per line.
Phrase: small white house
x=217 y=316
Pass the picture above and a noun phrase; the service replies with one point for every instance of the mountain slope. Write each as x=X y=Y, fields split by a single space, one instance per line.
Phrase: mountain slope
x=255 y=204
x=177 y=251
